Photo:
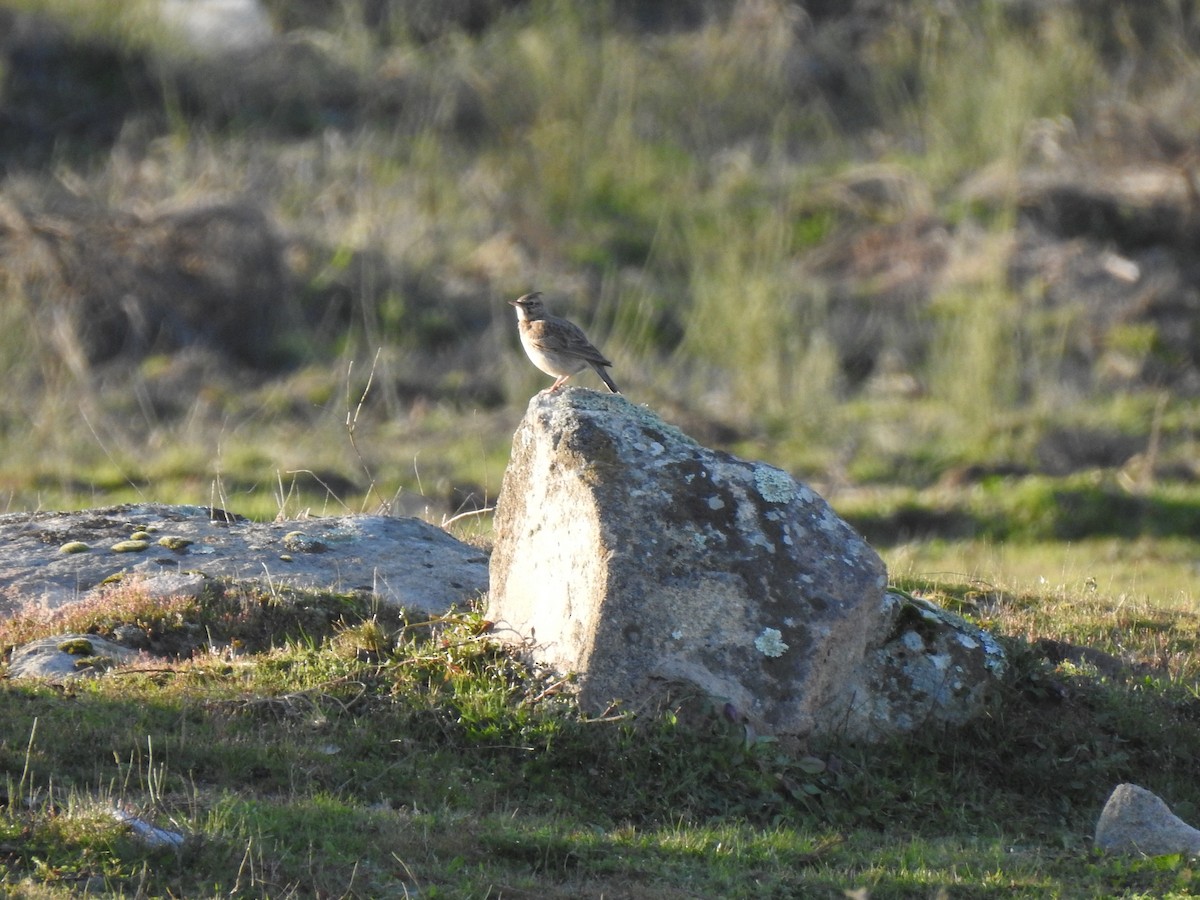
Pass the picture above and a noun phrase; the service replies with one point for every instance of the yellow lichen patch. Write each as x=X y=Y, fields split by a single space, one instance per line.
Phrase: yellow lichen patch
x=74 y=547
x=174 y=542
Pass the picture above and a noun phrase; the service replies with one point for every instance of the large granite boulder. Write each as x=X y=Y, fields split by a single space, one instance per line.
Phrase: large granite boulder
x=631 y=555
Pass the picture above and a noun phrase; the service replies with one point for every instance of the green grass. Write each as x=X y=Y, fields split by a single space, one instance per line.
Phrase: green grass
x=707 y=201
x=985 y=77
x=369 y=754
x=662 y=188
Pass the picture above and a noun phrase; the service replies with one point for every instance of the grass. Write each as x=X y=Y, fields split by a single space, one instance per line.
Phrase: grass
x=370 y=755
x=987 y=76
x=643 y=180
x=748 y=214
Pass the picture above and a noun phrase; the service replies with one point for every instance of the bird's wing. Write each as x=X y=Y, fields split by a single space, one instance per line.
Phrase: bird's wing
x=561 y=336
x=580 y=346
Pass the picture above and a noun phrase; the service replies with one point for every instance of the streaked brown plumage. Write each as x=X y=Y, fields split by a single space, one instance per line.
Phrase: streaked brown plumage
x=556 y=346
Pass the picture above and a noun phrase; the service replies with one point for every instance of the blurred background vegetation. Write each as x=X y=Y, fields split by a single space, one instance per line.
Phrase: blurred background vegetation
x=937 y=258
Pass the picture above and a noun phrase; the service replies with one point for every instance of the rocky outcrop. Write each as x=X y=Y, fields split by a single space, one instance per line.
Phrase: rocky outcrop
x=630 y=554
x=54 y=558
x=1135 y=821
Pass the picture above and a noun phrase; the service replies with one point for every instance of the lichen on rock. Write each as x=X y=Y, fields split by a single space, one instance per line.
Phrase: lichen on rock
x=628 y=553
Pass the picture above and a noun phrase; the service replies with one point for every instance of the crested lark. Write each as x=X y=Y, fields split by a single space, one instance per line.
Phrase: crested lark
x=556 y=346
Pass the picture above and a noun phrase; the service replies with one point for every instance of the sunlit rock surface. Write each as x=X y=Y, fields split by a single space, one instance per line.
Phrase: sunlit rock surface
x=631 y=555
x=54 y=558
x=1135 y=821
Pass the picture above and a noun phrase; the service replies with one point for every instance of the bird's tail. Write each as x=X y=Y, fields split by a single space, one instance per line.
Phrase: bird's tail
x=606 y=379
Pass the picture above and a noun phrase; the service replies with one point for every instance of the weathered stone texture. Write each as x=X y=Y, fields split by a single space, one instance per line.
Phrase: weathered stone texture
x=1136 y=821
x=67 y=656
x=630 y=554
x=58 y=557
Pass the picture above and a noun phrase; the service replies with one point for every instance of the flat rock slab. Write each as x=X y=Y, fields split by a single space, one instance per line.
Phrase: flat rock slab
x=68 y=656
x=53 y=558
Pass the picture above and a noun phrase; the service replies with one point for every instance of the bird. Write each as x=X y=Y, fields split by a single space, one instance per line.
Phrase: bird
x=556 y=346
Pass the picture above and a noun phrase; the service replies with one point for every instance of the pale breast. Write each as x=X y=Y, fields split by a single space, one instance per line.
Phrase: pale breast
x=540 y=349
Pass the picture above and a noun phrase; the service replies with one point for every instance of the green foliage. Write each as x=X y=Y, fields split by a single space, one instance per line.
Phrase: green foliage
x=710 y=199
x=243 y=615
x=301 y=760
x=132 y=24
x=982 y=75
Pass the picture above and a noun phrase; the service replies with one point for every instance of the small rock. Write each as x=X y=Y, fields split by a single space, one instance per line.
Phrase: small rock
x=131 y=636
x=299 y=542
x=67 y=656
x=934 y=668
x=150 y=835
x=1136 y=821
